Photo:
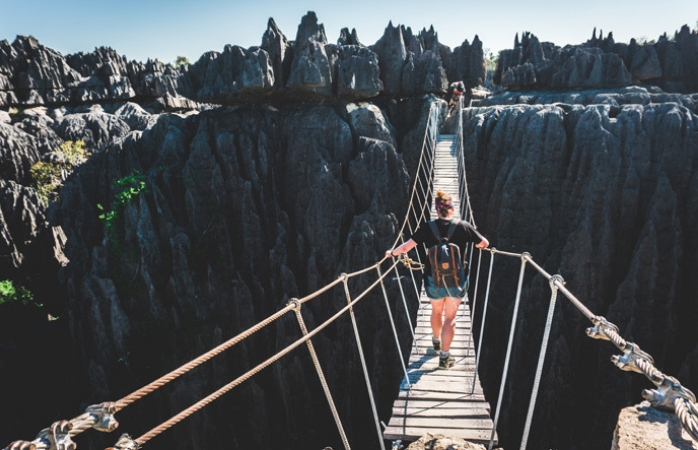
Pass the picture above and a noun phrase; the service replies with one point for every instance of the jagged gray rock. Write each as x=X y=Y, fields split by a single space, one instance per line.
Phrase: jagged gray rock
x=392 y=55
x=313 y=59
x=280 y=53
x=18 y=152
x=357 y=72
x=611 y=194
x=236 y=72
x=632 y=95
x=135 y=116
x=31 y=75
x=467 y=63
x=587 y=68
x=347 y=38
x=601 y=63
x=95 y=128
x=309 y=68
x=22 y=220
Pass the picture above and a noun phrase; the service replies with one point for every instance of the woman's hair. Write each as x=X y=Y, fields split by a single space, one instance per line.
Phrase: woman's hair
x=443 y=204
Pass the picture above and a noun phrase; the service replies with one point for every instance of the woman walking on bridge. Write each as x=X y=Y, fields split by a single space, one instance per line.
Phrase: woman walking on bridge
x=445 y=296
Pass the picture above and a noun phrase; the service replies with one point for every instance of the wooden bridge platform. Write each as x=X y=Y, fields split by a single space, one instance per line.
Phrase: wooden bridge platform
x=448 y=402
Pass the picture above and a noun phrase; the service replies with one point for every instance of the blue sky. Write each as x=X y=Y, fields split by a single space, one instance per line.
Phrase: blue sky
x=166 y=29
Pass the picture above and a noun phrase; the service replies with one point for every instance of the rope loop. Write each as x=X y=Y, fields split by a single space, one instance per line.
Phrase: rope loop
x=666 y=392
x=525 y=256
x=630 y=360
x=554 y=281
x=295 y=304
x=343 y=276
x=602 y=329
x=409 y=262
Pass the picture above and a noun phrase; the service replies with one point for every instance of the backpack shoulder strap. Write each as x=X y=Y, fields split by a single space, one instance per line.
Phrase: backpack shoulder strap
x=452 y=229
x=435 y=230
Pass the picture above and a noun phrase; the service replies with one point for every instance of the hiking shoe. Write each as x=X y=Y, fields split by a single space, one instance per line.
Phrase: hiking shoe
x=447 y=362
x=436 y=344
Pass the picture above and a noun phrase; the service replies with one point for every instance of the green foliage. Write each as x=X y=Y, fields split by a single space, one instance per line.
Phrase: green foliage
x=126 y=188
x=9 y=294
x=181 y=61
x=48 y=176
x=46 y=179
x=491 y=61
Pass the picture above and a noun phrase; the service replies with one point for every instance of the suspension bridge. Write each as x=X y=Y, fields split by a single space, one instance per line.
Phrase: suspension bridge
x=448 y=402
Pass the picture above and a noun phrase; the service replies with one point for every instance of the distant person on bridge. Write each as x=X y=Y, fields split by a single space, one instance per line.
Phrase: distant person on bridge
x=444 y=300
x=456 y=91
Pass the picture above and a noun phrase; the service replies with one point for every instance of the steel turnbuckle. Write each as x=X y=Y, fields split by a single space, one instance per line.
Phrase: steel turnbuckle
x=631 y=357
x=602 y=329
x=666 y=393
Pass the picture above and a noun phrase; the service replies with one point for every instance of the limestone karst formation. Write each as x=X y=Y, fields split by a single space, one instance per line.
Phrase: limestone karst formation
x=271 y=170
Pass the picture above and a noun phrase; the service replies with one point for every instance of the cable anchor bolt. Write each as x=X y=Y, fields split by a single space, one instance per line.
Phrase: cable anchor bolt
x=601 y=329
x=101 y=416
x=629 y=360
x=666 y=393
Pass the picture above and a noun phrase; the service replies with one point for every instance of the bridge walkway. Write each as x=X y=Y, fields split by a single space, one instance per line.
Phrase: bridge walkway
x=449 y=402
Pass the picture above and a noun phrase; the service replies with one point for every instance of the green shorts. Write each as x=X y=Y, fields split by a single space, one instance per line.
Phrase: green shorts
x=440 y=292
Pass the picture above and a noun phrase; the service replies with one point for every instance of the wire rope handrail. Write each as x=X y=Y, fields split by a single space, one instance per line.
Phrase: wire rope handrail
x=669 y=395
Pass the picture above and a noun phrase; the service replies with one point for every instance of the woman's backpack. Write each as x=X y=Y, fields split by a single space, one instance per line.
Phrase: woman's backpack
x=446 y=262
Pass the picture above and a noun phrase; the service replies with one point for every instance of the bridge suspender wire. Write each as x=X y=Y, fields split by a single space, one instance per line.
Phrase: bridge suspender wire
x=484 y=316
x=392 y=324
x=477 y=282
x=320 y=373
x=363 y=363
x=541 y=358
x=508 y=355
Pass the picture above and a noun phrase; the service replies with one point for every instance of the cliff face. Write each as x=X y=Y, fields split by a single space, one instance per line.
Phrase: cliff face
x=605 y=197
